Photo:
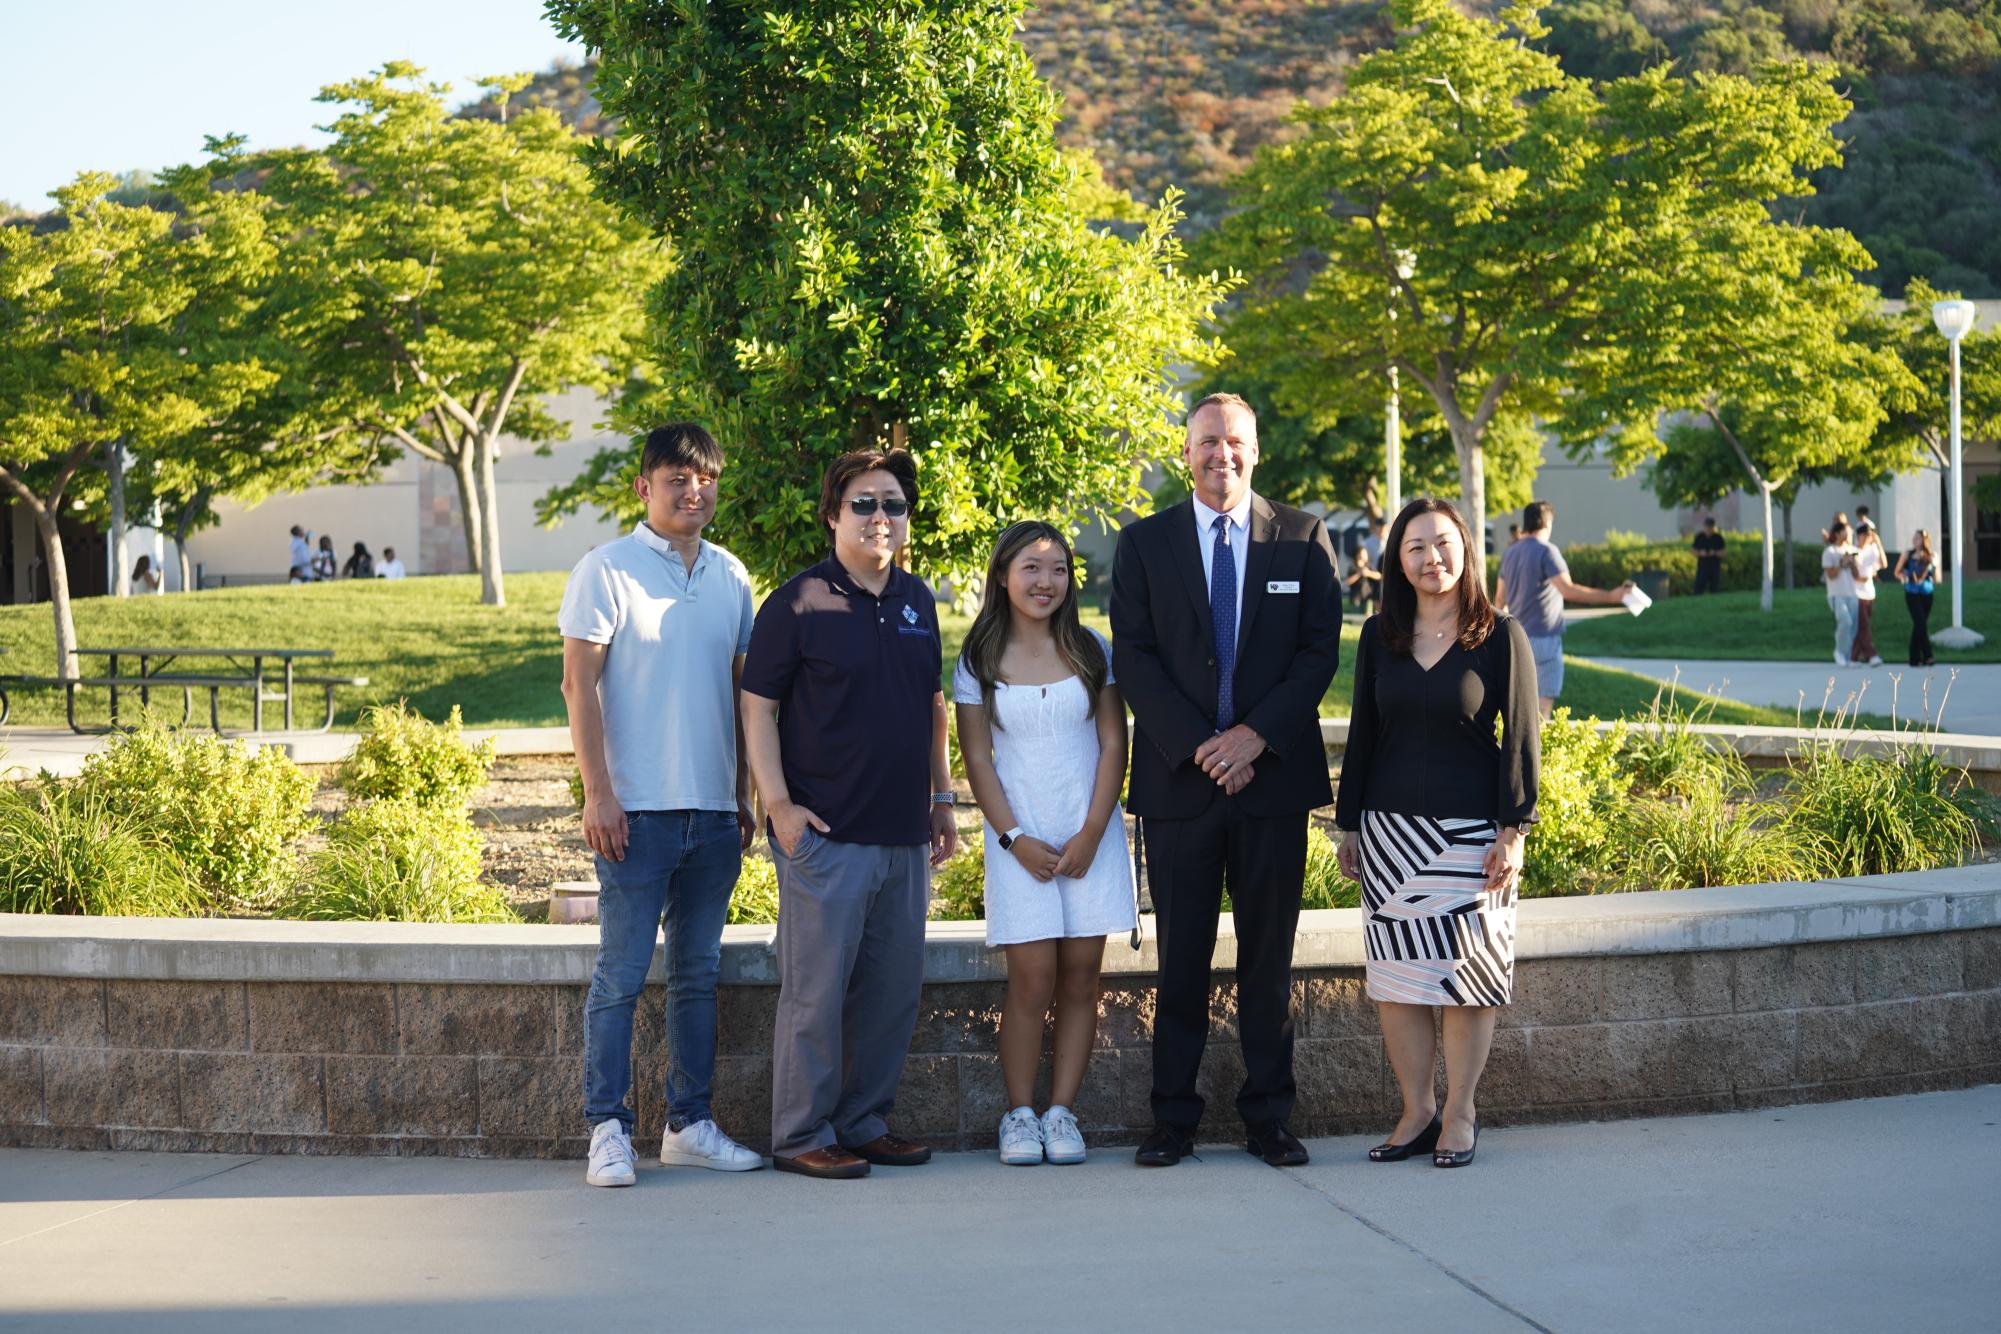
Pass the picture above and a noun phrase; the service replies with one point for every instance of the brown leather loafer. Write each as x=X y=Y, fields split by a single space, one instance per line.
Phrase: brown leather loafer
x=832 y=1163
x=893 y=1151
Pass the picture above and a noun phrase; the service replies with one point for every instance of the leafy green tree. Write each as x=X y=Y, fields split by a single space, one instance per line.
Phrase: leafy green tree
x=456 y=270
x=95 y=318
x=1512 y=238
x=875 y=238
x=1311 y=452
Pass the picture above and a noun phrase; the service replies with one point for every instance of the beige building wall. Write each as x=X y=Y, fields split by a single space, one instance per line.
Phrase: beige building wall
x=415 y=509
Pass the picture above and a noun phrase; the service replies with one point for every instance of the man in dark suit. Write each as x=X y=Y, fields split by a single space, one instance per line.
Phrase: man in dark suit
x=1226 y=630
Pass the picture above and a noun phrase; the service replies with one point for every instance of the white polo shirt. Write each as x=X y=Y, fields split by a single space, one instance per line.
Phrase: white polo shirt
x=669 y=710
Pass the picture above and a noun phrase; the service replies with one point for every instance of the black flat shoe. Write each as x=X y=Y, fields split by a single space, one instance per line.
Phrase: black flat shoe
x=1275 y=1144
x=1163 y=1147
x=1457 y=1157
x=1425 y=1141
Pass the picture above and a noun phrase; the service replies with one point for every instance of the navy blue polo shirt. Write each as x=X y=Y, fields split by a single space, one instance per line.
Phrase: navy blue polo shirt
x=854 y=676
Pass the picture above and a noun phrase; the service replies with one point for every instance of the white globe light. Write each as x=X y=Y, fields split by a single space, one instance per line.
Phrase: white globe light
x=1953 y=318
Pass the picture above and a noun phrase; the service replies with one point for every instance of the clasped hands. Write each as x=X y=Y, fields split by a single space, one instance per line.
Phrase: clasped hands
x=1070 y=860
x=1226 y=757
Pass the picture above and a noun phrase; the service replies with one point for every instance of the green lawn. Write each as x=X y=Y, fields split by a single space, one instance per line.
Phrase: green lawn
x=1799 y=627
x=429 y=641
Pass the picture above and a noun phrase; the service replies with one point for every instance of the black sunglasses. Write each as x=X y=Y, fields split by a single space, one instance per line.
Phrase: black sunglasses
x=866 y=505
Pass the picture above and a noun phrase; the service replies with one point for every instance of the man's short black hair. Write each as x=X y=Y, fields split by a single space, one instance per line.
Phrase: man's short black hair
x=1709 y=521
x=896 y=462
x=681 y=445
x=1536 y=516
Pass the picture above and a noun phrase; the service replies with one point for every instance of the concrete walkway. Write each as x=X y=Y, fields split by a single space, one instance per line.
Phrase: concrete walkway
x=1974 y=704
x=62 y=752
x=1858 y=1216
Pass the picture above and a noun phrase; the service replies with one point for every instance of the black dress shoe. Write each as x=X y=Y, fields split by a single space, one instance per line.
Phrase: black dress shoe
x=1164 y=1147
x=1423 y=1142
x=1457 y=1157
x=1276 y=1145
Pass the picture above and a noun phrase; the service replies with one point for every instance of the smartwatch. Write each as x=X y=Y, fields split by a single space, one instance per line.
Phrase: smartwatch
x=1007 y=839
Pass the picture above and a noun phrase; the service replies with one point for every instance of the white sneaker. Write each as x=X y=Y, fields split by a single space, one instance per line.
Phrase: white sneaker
x=1876 y=661
x=1020 y=1138
x=1841 y=660
x=1061 y=1140
x=611 y=1157
x=703 y=1144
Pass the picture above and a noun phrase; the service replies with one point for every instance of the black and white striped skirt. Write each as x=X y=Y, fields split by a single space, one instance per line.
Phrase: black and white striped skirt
x=1435 y=934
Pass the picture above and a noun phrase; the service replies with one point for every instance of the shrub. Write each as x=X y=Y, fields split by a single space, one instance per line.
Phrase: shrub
x=64 y=849
x=405 y=757
x=959 y=887
x=1580 y=803
x=1668 y=757
x=1613 y=563
x=1708 y=839
x=1867 y=816
x=1325 y=886
x=229 y=811
x=398 y=861
x=755 y=898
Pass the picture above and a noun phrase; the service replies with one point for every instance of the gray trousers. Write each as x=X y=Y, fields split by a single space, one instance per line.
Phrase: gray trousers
x=851 y=971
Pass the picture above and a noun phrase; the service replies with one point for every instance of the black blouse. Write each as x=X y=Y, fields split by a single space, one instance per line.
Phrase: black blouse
x=1422 y=742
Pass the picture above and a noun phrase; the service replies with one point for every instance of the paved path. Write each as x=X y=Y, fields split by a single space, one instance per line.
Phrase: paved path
x=62 y=752
x=1860 y=1216
x=1974 y=704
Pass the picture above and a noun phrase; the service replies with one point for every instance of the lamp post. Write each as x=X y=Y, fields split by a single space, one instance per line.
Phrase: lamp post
x=1954 y=320
x=1393 y=412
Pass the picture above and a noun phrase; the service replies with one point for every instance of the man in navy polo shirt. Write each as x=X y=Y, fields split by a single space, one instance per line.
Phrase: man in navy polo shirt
x=844 y=727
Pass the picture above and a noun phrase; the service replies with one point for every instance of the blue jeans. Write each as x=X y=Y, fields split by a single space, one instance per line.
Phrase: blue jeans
x=680 y=868
x=1845 y=611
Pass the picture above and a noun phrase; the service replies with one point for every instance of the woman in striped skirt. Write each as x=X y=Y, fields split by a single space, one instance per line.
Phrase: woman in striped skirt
x=1438 y=788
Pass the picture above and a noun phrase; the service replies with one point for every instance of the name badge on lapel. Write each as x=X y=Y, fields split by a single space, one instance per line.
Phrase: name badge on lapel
x=1282 y=586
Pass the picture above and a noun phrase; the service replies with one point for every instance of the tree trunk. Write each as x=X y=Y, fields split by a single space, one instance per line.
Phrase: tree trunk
x=491 y=591
x=52 y=552
x=1472 y=453
x=182 y=523
x=114 y=469
x=1786 y=519
x=1765 y=577
x=469 y=508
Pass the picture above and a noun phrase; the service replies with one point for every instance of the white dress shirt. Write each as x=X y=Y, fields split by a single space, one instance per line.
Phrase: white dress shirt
x=1240 y=547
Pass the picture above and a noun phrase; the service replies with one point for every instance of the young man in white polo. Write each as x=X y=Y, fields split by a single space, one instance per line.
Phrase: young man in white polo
x=655 y=626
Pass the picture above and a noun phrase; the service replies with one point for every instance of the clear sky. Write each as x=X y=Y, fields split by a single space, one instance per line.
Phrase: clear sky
x=110 y=85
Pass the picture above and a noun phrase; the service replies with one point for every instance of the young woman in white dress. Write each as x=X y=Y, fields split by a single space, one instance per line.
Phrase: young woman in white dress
x=1043 y=731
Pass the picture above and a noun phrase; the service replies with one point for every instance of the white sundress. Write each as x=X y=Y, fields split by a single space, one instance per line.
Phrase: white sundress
x=1046 y=753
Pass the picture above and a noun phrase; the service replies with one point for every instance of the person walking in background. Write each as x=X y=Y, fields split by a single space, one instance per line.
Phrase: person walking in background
x=390 y=568
x=1365 y=581
x=846 y=730
x=1870 y=558
x=1434 y=809
x=1226 y=630
x=1708 y=546
x=655 y=626
x=145 y=578
x=1837 y=571
x=1916 y=570
x=326 y=562
x=1534 y=583
x=360 y=565
x=1043 y=732
x=301 y=563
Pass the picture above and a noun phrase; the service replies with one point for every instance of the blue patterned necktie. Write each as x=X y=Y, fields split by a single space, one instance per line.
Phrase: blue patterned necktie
x=1223 y=623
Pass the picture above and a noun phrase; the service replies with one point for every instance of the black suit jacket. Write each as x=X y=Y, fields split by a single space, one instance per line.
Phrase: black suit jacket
x=1288 y=646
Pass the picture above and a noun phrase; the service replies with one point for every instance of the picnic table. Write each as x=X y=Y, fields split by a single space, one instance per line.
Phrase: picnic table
x=246 y=668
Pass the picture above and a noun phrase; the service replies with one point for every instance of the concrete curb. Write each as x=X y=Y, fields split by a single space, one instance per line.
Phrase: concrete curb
x=1659 y=922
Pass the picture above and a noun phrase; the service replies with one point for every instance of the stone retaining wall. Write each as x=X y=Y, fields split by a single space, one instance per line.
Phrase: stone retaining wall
x=285 y=1037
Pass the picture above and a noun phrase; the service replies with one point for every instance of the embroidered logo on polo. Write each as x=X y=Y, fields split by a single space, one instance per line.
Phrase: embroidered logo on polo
x=909 y=615
x=910 y=625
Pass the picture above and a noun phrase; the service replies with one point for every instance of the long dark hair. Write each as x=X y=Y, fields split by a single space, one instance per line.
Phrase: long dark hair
x=1399 y=613
x=987 y=640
